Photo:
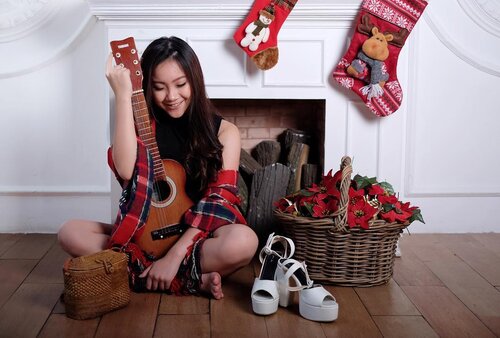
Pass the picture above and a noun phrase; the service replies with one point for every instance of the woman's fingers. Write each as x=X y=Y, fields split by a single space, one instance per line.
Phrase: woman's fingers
x=145 y=272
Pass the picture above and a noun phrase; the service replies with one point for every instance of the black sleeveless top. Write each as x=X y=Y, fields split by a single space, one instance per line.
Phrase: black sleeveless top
x=171 y=136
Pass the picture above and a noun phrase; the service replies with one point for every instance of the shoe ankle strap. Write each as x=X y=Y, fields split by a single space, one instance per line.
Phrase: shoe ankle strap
x=290 y=272
x=287 y=243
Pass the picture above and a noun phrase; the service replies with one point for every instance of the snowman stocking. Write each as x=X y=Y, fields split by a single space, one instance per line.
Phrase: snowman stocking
x=369 y=66
x=258 y=35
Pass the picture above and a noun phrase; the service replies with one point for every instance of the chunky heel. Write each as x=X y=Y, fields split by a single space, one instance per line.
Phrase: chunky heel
x=283 y=286
x=315 y=302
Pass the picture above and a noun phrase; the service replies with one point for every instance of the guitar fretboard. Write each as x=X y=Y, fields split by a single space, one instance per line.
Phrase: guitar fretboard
x=145 y=132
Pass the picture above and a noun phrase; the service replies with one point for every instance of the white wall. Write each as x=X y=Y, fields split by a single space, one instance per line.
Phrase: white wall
x=54 y=126
x=440 y=149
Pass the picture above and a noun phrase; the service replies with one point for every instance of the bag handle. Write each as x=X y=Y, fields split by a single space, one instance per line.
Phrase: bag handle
x=340 y=216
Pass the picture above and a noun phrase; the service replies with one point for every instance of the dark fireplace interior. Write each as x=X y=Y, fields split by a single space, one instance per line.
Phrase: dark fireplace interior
x=267 y=119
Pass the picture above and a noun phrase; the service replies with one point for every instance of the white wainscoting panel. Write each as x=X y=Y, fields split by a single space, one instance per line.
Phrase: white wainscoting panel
x=301 y=64
x=219 y=69
x=363 y=139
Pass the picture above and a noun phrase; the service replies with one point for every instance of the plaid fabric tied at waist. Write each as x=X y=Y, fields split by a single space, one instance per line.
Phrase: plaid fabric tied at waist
x=219 y=205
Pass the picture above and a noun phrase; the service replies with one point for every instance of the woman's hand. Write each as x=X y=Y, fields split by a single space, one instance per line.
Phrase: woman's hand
x=162 y=272
x=119 y=79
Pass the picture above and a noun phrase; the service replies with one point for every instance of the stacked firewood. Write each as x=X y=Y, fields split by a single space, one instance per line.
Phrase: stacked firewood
x=273 y=170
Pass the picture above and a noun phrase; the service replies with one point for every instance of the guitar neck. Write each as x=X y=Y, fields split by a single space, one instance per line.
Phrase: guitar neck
x=145 y=132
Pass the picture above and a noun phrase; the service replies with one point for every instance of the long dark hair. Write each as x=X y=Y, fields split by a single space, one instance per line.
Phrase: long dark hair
x=204 y=150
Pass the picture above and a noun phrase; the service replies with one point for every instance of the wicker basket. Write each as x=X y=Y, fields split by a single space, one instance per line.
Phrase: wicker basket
x=95 y=284
x=337 y=254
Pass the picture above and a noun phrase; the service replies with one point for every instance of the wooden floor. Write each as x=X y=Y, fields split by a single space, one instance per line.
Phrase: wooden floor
x=443 y=286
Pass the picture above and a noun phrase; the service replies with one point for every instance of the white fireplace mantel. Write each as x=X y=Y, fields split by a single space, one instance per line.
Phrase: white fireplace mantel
x=118 y=10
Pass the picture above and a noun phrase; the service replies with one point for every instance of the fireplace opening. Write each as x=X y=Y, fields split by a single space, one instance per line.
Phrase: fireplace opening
x=267 y=119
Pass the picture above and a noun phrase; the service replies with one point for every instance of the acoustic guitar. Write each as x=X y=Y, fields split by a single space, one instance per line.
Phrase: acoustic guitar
x=169 y=201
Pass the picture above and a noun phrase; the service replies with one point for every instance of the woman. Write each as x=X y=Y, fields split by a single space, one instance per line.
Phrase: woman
x=187 y=130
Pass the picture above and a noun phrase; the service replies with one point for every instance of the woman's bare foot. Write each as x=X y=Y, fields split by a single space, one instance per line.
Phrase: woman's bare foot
x=211 y=283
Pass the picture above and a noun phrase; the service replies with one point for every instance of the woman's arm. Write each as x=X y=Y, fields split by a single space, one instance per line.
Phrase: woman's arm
x=229 y=136
x=124 y=150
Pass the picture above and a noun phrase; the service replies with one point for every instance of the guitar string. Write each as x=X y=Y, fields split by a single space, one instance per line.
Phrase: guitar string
x=142 y=125
x=158 y=168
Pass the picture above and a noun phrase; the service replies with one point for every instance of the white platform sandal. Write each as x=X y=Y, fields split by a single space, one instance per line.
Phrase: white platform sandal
x=315 y=302
x=265 y=294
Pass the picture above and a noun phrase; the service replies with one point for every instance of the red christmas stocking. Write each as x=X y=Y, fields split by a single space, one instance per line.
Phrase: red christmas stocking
x=258 y=35
x=369 y=66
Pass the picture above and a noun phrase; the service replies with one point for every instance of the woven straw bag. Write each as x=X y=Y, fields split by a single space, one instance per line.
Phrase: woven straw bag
x=337 y=254
x=95 y=284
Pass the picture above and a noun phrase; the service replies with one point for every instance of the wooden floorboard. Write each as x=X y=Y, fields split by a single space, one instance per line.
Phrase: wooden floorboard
x=8 y=240
x=446 y=314
x=13 y=272
x=58 y=325
x=31 y=246
x=479 y=257
x=404 y=326
x=354 y=319
x=386 y=300
x=444 y=285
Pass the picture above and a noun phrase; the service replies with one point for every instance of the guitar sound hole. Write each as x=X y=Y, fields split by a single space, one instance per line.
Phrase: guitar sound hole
x=161 y=191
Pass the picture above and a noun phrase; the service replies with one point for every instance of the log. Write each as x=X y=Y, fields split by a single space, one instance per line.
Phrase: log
x=309 y=175
x=291 y=136
x=248 y=164
x=269 y=184
x=297 y=157
x=267 y=152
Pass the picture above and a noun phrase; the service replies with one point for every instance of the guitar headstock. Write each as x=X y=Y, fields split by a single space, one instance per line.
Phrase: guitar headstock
x=125 y=52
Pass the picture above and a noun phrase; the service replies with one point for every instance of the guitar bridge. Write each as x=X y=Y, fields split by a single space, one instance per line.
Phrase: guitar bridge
x=169 y=231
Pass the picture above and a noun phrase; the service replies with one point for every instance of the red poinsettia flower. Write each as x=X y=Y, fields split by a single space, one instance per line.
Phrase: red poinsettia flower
x=360 y=214
x=319 y=197
x=316 y=188
x=376 y=190
x=302 y=200
x=355 y=196
x=387 y=199
x=320 y=209
x=332 y=183
x=286 y=205
x=398 y=212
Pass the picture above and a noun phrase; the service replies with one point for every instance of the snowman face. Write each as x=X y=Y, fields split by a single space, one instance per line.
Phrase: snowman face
x=265 y=19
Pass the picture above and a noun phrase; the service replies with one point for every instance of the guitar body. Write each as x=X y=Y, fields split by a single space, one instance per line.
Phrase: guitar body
x=169 y=201
x=168 y=205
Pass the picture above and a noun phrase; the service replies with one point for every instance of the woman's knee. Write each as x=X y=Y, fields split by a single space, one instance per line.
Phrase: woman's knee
x=79 y=237
x=241 y=245
x=67 y=232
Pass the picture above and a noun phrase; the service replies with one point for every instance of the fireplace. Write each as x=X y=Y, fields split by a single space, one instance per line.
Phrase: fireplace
x=297 y=93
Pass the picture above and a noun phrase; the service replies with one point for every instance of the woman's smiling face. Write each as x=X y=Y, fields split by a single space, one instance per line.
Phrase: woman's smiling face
x=171 y=88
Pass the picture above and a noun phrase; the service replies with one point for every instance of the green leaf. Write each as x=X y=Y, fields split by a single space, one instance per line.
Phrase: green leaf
x=387 y=187
x=387 y=207
x=309 y=208
x=306 y=193
x=416 y=216
x=364 y=181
